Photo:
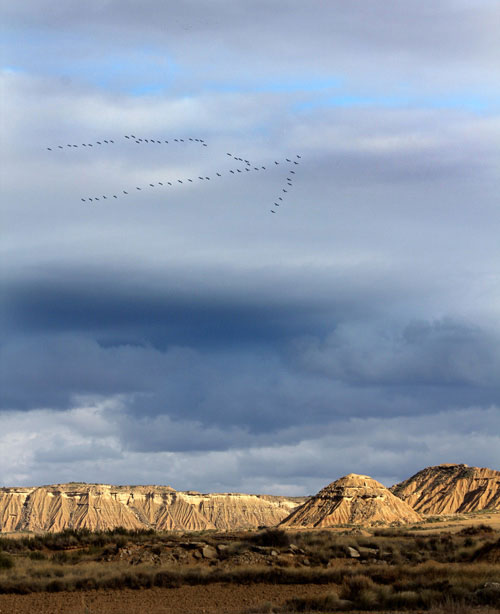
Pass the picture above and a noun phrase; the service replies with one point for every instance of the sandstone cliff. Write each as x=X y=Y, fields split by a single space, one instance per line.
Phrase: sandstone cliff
x=353 y=499
x=451 y=489
x=102 y=506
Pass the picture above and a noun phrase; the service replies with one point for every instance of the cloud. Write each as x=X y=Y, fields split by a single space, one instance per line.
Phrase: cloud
x=144 y=336
x=39 y=444
x=442 y=353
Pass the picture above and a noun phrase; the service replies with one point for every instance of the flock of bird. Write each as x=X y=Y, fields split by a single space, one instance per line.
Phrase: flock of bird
x=246 y=166
x=130 y=137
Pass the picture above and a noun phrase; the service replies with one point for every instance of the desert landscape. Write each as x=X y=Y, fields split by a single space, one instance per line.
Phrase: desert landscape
x=429 y=544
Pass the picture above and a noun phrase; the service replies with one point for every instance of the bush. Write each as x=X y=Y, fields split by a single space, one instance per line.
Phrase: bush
x=37 y=556
x=6 y=561
x=328 y=603
x=272 y=538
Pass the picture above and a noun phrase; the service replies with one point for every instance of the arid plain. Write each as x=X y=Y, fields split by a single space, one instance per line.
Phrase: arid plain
x=428 y=544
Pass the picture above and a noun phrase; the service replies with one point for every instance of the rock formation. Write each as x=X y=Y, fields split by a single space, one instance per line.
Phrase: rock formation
x=451 y=489
x=353 y=499
x=102 y=506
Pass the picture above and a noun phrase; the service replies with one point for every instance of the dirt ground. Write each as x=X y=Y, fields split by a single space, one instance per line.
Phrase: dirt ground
x=210 y=599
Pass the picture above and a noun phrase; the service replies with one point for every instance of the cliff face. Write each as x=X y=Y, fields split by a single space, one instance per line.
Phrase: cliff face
x=451 y=489
x=102 y=506
x=353 y=499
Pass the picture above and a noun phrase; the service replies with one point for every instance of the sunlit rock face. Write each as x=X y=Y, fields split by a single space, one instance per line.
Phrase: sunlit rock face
x=451 y=489
x=103 y=506
x=352 y=499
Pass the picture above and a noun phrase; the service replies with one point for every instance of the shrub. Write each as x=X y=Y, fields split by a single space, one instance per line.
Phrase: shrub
x=328 y=603
x=37 y=556
x=276 y=538
x=353 y=585
x=6 y=561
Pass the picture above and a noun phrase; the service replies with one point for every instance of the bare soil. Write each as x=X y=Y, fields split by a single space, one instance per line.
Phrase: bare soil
x=210 y=599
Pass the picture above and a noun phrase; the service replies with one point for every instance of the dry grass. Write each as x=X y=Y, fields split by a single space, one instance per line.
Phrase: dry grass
x=396 y=570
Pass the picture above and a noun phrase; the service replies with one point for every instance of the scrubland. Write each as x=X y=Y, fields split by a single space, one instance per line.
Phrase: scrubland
x=344 y=570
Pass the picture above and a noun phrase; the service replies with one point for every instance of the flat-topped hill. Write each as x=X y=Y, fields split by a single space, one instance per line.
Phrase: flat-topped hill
x=103 y=506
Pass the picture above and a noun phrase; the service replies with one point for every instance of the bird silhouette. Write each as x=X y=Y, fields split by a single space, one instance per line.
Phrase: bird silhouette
x=125 y=192
x=49 y=148
x=137 y=188
x=272 y=211
x=83 y=199
x=218 y=174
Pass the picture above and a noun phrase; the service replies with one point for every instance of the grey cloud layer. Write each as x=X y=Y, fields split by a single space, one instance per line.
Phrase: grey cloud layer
x=86 y=441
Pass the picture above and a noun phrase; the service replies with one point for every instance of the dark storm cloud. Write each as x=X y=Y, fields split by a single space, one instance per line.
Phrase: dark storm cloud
x=248 y=361
x=442 y=353
x=164 y=315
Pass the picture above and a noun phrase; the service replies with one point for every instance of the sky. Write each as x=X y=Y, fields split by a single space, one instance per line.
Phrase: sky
x=187 y=335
